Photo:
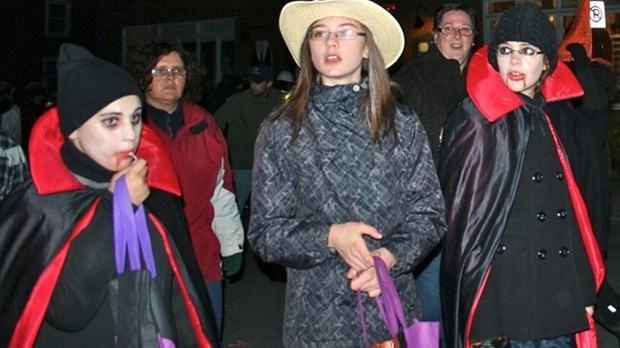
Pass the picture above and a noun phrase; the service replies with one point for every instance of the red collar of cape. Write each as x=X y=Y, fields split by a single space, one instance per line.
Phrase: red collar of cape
x=494 y=99
x=50 y=175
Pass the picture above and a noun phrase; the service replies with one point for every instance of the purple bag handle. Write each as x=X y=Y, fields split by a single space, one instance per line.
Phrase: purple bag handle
x=390 y=306
x=131 y=234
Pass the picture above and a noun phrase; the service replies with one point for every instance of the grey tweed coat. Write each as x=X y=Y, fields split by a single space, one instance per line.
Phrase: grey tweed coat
x=334 y=174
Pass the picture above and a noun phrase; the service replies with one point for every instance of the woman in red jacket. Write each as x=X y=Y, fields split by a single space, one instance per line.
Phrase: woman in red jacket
x=167 y=75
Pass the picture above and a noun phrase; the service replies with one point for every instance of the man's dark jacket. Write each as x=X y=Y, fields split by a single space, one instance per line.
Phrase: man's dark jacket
x=42 y=216
x=432 y=85
x=483 y=150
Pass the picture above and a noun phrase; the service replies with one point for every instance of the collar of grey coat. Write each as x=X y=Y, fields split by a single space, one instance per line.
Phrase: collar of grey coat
x=348 y=95
x=494 y=99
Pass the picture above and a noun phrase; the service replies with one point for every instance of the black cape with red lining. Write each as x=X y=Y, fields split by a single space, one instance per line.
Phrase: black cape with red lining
x=41 y=217
x=478 y=182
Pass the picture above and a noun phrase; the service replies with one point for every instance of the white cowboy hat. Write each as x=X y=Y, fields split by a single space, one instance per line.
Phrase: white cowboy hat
x=297 y=16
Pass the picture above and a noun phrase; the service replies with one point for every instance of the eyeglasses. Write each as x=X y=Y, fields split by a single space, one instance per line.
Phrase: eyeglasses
x=524 y=52
x=166 y=71
x=451 y=31
x=323 y=35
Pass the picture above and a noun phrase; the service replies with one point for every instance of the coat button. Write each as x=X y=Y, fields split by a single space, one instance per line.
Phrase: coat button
x=501 y=248
x=541 y=216
x=559 y=175
x=564 y=251
x=561 y=214
x=542 y=254
x=537 y=177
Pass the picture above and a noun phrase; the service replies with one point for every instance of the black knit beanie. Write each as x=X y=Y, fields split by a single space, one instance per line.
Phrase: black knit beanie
x=525 y=23
x=87 y=84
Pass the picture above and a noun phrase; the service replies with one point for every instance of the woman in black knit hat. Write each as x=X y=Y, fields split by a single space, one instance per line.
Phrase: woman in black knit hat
x=61 y=285
x=520 y=265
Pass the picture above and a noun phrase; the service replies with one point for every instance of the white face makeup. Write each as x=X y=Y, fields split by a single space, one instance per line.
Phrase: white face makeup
x=338 y=57
x=520 y=66
x=112 y=135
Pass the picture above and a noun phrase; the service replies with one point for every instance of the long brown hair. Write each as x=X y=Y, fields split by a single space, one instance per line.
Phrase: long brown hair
x=379 y=106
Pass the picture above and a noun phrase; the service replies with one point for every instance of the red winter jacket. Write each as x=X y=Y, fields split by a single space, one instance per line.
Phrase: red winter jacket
x=200 y=157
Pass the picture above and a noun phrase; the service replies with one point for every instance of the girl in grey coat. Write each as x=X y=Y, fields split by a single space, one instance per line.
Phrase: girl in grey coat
x=341 y=173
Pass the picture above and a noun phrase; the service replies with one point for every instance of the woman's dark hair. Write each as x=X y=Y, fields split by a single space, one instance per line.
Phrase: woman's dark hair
x=145 y=57
x=454 y=6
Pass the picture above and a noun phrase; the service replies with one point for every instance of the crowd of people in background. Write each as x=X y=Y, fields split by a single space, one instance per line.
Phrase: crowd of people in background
x=478 y=175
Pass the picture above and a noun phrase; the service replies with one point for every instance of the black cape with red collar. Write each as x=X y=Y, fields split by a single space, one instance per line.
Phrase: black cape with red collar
x=484 y=144
x=41 y=218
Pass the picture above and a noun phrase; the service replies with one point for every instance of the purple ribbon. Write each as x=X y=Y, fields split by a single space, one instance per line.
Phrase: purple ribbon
x=131 y=234
x=390 y=307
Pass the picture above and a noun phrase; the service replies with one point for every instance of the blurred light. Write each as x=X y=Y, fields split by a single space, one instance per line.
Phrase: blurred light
x=423 y=46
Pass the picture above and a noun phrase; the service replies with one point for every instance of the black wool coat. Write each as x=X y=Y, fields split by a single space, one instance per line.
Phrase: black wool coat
x=431 y=85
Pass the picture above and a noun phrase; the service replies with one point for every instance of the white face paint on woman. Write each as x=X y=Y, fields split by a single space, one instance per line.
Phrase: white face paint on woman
x=520 y=66
x=112 y=133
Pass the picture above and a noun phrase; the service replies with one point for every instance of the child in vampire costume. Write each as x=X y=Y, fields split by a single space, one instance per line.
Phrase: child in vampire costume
x=520 y=262
x=56 y=238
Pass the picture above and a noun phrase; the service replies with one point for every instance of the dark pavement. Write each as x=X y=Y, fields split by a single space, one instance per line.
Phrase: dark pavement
x=606 y=339
x=254 y=304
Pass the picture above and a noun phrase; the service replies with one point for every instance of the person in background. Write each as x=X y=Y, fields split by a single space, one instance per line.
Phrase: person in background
x=284 y=82
x=520 y=264
x=10 y=115
x=166 y=73
x=38 y=99
x=230 y=84
x=57 y=247
x=432 y=85
x=240 y=118
x=13 y=164
x=343 y=172
x=595 y=178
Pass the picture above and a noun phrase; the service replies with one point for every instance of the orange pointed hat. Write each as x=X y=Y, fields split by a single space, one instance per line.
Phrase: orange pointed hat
x=580 y=32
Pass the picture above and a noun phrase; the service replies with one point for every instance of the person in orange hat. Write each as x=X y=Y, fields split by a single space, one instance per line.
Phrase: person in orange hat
x=581 y=49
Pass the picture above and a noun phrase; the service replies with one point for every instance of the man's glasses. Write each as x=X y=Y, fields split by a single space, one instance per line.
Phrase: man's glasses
x=525 y=51
x=451 y=31
x=323 y=35
x=166 y=71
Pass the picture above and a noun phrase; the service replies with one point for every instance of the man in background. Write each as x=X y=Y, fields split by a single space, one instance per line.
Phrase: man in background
x=432 y=85
x=239 y=118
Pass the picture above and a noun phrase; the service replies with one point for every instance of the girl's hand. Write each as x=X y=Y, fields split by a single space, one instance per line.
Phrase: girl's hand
x=135 y=176
x=348 y=241
x=367 y=280
x=386 y=256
